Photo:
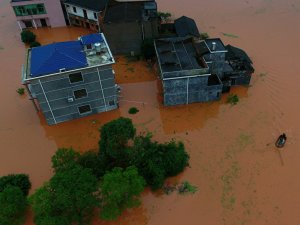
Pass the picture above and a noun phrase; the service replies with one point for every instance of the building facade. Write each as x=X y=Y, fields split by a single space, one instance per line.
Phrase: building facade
x=87 y=13
x=69 y=80
x=185 y=76
x=38 y=13
x=127 y=24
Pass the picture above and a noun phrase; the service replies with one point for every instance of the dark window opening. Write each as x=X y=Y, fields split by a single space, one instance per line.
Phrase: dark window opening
x=95 y=15
x=74 y=10
x=80 y=93
x=84 y=109
x=89 y=46
x=85 y=14
x=75 y=77
x=28 y=23
x=111 y=103
x=87 y=25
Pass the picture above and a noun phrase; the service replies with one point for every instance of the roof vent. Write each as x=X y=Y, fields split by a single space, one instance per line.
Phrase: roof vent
x=62 y=70
x=214 y=46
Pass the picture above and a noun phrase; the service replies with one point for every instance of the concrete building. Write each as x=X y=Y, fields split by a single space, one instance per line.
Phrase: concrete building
x=38 y=13
x=69 y=80
x=87 y=13
x=127 y=24
x=185 y=75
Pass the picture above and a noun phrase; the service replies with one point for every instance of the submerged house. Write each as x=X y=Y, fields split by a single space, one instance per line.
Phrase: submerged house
x=195 y=70
x=127 y=23
x=36 y=13
x=69 y=80
x=85 y=13
x=185 y=75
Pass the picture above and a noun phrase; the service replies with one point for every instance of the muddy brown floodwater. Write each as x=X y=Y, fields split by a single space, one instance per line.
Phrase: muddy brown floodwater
x=241 y=177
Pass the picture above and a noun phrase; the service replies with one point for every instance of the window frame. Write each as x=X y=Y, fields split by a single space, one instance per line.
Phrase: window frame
x=84 y=112
x=74 y=9
x=76 y=82
x=80 y=90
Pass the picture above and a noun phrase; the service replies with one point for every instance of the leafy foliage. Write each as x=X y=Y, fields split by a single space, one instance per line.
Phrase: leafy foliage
x=186 y=187
x=133 y=110
x=113 y=143
x=35 y=44
x=19 y=180
x=204 y=36
x=64 y=158
x=21 y=91
x=92 y=161
x=232 y=99
x=13 y=206
x=158 y=161
x=165 y=16
x=27 y=36
x=69 y=197
x=120 y=189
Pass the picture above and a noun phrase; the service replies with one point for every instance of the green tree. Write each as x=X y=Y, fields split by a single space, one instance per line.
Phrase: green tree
x=91 y=160
x=69 y=197
x=35 y=44
x=113 y=143
x=165 y=16
x=120 y=189
x=64 y=158
x=156 y=161
x=13 y=206
x=19 y=180
x=27 y=36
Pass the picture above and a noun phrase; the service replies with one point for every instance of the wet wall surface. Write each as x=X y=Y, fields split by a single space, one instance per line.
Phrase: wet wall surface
x=241 y=177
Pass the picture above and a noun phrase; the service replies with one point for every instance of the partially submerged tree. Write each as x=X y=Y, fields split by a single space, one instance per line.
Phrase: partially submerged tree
x=69 y=197
x=120 y=189
x=165 y=16
x=13 y=206
x=18 y=180
x=27 y=36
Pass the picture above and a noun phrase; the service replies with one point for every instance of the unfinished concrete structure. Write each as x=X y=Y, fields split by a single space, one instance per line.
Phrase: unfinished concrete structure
x=127 y=23
x=185 y=75
x=36 y=13
x=69 y=80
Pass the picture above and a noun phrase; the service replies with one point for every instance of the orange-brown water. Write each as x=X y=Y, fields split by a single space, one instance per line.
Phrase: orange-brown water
x=241 y=177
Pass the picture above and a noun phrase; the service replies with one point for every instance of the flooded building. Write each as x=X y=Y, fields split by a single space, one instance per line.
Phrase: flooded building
x=87 y=13
x=127 y=23
x=185 y=75
x=35 y=13
x=69 y=80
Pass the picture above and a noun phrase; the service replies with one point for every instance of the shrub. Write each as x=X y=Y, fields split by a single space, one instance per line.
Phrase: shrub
x=232 y=99
x=165 y=16
x=27 y=36
x=186 y=187
x=21 y=91
x=204 y=36
x=19 y=180
x=35 y=44
x=13 y=206
x=133 y=110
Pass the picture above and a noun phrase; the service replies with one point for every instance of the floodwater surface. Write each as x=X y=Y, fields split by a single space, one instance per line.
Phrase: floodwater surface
x=242 y=178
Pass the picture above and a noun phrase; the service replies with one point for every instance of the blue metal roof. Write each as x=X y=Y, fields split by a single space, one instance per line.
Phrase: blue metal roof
x=91 y=39
x=51 y=58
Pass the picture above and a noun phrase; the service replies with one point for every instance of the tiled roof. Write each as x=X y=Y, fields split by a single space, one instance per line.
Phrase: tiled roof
x=91 y=39
x=52 y=58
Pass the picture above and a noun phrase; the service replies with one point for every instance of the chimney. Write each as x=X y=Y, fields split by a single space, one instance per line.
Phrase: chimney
x=214 y=45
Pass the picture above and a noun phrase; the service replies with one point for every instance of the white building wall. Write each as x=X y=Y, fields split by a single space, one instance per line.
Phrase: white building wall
x=79 y=12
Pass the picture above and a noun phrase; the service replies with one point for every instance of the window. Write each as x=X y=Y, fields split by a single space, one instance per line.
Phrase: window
x=75 y=77
x=33 y=9
x=80 y=93
x=67 y=6
x=74 y=10
x=84 y=109
x=111 y=103
x=84 y=13
x=89 y=46
x=95 y=15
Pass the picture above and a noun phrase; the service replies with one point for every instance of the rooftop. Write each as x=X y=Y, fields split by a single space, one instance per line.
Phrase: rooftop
x=178 y=54
x=186 y=26
x=89 y=50
x=96 y=5
x=219 y=46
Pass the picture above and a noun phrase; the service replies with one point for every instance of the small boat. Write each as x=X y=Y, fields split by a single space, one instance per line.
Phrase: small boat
x=281 y=141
